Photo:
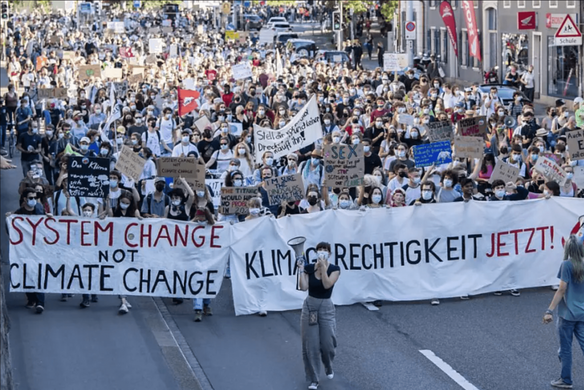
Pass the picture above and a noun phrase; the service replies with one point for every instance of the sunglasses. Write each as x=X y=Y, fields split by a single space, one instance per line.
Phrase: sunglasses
x=223 y=144
x=31 y=198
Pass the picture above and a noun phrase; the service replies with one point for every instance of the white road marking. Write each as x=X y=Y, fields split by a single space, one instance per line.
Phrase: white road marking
x=441 y=364
x=370 y=306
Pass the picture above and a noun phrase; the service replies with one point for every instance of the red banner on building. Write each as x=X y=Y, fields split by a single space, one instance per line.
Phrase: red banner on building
x=474 y=45
x=447 y=15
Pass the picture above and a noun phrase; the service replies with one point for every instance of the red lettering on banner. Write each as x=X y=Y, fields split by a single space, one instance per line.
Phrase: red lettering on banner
x=498 y=241
x=109 y=227
x=501 y=244
x=68 y=222
x=163 y=234
x=144 y=235
x=84 y=233
x=527 y=250
x=195 y=240
x=34 y=229
x=128 y=243
x=51 y=228
x=20 y=236
x=214 y=236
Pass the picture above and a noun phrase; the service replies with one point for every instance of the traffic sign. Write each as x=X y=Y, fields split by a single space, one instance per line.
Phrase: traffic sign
x=247 y=4
x=226 y=8
x=411 y=30
x=137 y=3
x=568 y=33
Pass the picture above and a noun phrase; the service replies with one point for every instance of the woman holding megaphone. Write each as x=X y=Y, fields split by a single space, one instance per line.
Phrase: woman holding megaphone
x=317 y=322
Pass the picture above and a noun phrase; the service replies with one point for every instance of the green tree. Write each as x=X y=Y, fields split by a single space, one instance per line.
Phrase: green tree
x=388 y=9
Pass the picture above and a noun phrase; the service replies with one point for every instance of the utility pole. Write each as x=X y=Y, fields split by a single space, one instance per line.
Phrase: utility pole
x=340 y=41
x=409 y=42
x=352 y=24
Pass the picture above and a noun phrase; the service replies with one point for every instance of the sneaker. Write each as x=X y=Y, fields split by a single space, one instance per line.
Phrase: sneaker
x=313 y=386
x=123 y=309
x=263 y=313
x=84 y=304
x=177 y=301
x=198 y=315
x=39 y=309
x=498 y=293
x=63 y=297
x=555 y=287
x=559 y=383
x=331 y=375
x=207 y=310
x=515 y=293
x=377 y=303
x=94 y=299
x=465 y=297
x=30 y=305
x=435 y=302
x=128 y=305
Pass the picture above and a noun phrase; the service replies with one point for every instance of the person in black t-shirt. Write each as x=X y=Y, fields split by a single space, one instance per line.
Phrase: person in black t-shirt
x=317 y=320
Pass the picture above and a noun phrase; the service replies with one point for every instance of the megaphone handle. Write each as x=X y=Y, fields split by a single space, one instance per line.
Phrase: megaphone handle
x=301 y=257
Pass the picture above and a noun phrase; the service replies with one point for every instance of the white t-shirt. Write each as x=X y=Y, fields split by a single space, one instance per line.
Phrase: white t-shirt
x=166 y=129
x=184 y=150
x=223 y=159
x=153 y=142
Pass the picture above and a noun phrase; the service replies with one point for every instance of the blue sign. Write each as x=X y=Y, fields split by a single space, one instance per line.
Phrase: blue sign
x=247 y=4
x=137 y=3
x=230 y=27
x=435 y=153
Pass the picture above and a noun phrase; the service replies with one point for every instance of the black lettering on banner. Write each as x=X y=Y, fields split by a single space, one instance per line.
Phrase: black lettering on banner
x=145 y=281
x=103 y=255
x=366 y=246
x=39 y=275
x=200 y=283
x=474 y=240
x=284 y=256
x=161 y=278
x=181 y=282
x=264 y=273
x=60 y=271
x=249 y=265
x=24 y=285
x=450 y=248
x=275 y=268
x=417 y=252
x=211 y=281
x=12 y=285
x=354 y=254
x=75 y=274
x=430 y=250
x=340 y=252
x=90 y=267
x=390 y=245
x=378 y=256
x=117 y=258
x=103 y=276
x=401 y=253
x=125 y=281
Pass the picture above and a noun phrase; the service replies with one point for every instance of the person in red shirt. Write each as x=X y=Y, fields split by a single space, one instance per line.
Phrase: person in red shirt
x=458 y=113
x=227 y=95
x=211 y=73
x=380 y=111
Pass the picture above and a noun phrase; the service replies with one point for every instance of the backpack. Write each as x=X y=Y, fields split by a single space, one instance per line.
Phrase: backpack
x=146 y=136
x=77 y=199
x=148 y=201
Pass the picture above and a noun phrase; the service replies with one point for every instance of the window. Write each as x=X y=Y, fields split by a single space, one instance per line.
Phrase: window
x=463 y=48
x=563 y=81
x=475 y=62
x=553 y=3
x=571 y=3
x=506 y=3
x=492 y=19
x=536 y=3
x=429 y=41
x=445 y=45
x=520 y=3
x=454 y=4
x=437 y=45
x=433 y=3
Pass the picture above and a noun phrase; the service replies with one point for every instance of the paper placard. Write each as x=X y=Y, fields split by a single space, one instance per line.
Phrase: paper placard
x=68 y=55
x=150 y=59
x=200 y=29
x=60 y=93
x=435 y=153
x=155 y=45
x=45 y=93
x=215 y=185
x=197 y=182
x=552 y=156
x=241 y=71
x=439 y=131
x=167 y=30
x=469 y=147
x=405 y=119
x=112 y=73
x=235 y=128
x=234 y=199
x=130 y=163
x=394 y=62
x=231 y=35
x=285 y=188
x=550 y=170
x=473 y=127
x=177 y=167
x=154 y=30
x=88 y=176
x=116 y=27
x=203 y=122
x=139 y=69
x=505 y=172
x=121 y=88
x=88 y=71
x=173 y=52
x=344 y=165
x=579 y=176
x=575 y=143
x=135 y=78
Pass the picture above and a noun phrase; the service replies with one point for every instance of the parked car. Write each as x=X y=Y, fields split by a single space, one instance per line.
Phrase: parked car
x=332 y=56
x=505 y=92
x=304 y=47
x=279 y=26
x=255 y=22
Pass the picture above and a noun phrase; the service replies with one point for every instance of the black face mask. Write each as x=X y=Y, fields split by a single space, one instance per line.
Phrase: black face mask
x=403 y=174
x=312 y=200
x=160 y=187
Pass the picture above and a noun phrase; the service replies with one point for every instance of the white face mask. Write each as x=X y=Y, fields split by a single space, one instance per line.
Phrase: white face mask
x=336 y=140
x=241 y=151
x=238 y=183
x=269 y=161
x=447 y=183
x=323 y=255
x=200 y=194
x=176 y=202
x=124 y=206
x=254 y=211
x=87 y=214
x=376 y=199
x=427 y=195
x=186 y=139
x=31 y=202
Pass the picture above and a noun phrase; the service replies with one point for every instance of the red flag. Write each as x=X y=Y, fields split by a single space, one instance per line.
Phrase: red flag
x=474 y=46
x=448 y=18
x=126 y=52
x=187 y=101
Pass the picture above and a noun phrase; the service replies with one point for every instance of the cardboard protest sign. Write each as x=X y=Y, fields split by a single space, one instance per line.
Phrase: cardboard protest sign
x=88 y=176
x=344 y=165
x=139 y=69
x=435 y=153
x=473 y=127
x=550 y=170
x=68 y=55
x=552 y=156
x=202 y=122
x=235 y=128
x=167 y=30
x=130 y=163
x=155 y=45
x=575 y=142
x=231 y=35
x=60 y=93
x=112 y=73
x=150 y=59
x=579 y=176
x=88 y=71
x=469 y=147
x=234 y=199
x=303 y=130
x=135 y=78
x=121 y=88
x=439 y=131
x=241 y=71
x=505 y=172
x=45 y=93
x=405 y=119
x=285 y=188
x=154 y=30
x=197 y=182
x=177 y=167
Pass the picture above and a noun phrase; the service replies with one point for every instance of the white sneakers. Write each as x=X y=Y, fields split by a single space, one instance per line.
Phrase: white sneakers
x=313 y=386
x=124 y=307
x=331 y=375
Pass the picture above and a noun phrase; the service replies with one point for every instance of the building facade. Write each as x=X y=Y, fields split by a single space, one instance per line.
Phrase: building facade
x=519 y=32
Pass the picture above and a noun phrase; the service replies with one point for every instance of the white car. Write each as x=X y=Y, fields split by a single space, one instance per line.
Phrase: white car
x=277 y=19
x=279 y=27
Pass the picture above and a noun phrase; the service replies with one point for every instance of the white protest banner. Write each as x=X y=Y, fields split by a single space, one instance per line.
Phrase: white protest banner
x=505 y=172
x=405 y=119
x=394 y=62
x=550 y=170
x=285 y=188
x=303 y=130
x=130 y=163
x=442 y=251
x=241 y=71
x=575 y=143
x=155 y=45
x=344 y=165
x=127 y=256
x=469 y=147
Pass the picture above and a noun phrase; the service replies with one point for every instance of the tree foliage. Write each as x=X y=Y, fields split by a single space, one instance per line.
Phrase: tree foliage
x=388 y=9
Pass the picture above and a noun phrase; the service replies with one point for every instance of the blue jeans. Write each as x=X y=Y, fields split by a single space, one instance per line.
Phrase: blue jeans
x=3 y=134
x=199 y=302
x=568 y=329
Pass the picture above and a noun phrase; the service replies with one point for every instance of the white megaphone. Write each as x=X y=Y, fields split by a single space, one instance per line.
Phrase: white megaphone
x=510 y=122
x=297 y=244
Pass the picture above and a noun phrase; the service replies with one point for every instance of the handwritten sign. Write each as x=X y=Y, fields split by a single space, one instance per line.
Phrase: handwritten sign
x=121 y=88
x=394 y=62
x=177 y=166
x=435 y=153
x=88 y=176
x=130 y=163
x=215 y=185
x=405 y=119
x=135 y=78
x=575 y=141
x=155 y=45
x=112 y=73
x=86 y=72
x=60 y=93
x=579 y=176
x=550 y=170
x=197 y=182
x=473 y=127
x=469 y=147
x=344 y=165
x=439 y=131
x=241 y=71
x=68 y=55
x=45 y=93
x=139 y=69
x=552 y=156
x=285 y=188
x=505 y=172
x=234 y=199
x=203 y=122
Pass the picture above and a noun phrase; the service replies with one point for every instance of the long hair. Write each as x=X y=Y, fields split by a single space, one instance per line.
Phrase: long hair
x=574 y=251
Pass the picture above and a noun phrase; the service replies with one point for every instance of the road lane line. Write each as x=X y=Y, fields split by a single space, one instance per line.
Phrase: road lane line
x=445 y=367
